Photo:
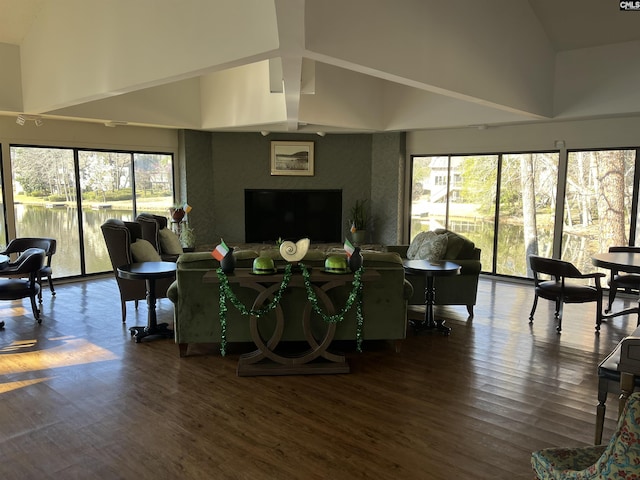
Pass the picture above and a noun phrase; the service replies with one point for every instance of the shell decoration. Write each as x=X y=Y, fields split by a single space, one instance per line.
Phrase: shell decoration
x=294 y=252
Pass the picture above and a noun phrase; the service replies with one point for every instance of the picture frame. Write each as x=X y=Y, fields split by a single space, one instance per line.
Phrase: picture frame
x=292 y=158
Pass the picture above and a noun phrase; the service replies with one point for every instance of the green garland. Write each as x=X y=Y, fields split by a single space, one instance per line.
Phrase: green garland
x=226 y=292
x=354 y=297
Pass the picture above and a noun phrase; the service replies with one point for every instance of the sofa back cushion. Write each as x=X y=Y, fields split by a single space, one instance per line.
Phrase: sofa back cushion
x=458 y=247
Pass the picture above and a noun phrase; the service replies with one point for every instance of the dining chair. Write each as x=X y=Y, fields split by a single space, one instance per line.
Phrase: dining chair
x=566 y=285
x=629 y=282
x=49 y=245
x=20 y=279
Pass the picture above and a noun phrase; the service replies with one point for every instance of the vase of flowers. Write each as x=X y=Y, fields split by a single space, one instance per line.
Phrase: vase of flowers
x=177 y=213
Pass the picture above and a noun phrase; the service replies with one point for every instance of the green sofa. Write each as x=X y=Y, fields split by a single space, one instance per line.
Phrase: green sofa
x=457 y=290
x=196 y=312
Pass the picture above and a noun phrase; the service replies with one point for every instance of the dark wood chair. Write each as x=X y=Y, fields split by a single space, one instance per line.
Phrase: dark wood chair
x=20 y=279
x=118 y=236
x=629 y=282
x=566 y=285
x=19 y=245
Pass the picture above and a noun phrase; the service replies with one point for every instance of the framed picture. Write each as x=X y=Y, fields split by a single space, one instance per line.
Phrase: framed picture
x=292 y=158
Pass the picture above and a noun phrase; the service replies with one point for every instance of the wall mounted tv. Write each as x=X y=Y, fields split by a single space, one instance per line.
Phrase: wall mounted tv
x=292 y=215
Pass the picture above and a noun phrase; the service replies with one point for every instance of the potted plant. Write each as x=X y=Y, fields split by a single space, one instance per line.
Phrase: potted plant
x=359 y=221
x=187 y=236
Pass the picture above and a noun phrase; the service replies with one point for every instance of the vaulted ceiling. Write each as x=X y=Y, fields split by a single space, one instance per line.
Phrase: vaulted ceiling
x=319 y=65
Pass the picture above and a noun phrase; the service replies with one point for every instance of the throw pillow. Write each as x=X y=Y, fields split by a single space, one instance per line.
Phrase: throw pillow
x=433 y=248
x=169 y=242
x=143 y=251
x=416 y=243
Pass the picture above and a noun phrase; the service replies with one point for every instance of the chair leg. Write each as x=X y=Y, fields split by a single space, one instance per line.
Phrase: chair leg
x=470 y=310
x=123 y=306
x=598 y=314
x=34 y=307
x=53 y=290
x=39 y=280
x=612 y=297
x=601 y=409
x=533 y=309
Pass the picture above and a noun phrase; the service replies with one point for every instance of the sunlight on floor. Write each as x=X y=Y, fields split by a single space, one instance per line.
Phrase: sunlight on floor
x=67 y=351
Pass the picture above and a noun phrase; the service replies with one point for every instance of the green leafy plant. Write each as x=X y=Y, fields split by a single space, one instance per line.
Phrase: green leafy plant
x=187 y=236
x=360 y=215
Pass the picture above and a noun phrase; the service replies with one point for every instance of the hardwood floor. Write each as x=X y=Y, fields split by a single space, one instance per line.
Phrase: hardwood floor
x=81 y=400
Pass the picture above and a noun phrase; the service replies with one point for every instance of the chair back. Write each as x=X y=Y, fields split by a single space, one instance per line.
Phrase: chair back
x=118 y=236
x=28 y=264
x=151 y=225
x=553 y=267
x=19 y=245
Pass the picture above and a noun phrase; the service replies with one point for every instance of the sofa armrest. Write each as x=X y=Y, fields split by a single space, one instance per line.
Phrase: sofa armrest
x=408 y=290
x=629 y=360
x=469 y=267
x=399 y=249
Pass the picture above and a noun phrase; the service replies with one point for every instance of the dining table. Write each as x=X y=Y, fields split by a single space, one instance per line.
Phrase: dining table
x=628 y=262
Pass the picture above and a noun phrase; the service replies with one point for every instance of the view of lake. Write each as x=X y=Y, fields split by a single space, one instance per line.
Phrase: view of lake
x=61 y=223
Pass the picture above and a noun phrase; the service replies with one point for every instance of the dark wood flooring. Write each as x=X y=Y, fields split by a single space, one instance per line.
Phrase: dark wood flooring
x=81 y=400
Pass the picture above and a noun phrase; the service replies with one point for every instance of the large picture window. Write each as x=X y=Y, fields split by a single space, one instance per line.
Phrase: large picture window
x=504 y=203
x=46 y=182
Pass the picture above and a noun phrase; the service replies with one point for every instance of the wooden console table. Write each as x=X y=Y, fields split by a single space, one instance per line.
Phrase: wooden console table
x=317 y=359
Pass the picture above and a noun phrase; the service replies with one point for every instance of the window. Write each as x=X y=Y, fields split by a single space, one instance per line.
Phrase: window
x=46 y=182
x=466 y=204
x=526 y=210
x=598 y=202
x=504 y=203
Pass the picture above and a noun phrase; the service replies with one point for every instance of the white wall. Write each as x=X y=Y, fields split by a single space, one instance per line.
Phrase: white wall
x=597 y=133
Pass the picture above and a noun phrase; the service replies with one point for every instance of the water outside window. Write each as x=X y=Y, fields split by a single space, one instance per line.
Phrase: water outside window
x=528 y=186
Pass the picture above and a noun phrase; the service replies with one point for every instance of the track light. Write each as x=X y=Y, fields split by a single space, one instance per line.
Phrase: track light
x=23 y=117
x=322 y=134
x=264 y=133
x=115 y=123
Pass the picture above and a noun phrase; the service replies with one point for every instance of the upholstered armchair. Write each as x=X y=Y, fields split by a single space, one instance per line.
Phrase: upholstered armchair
x=620 y=458
x=125 y=245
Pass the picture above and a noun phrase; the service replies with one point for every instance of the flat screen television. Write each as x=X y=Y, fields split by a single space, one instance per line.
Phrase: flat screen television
x=292 y=215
